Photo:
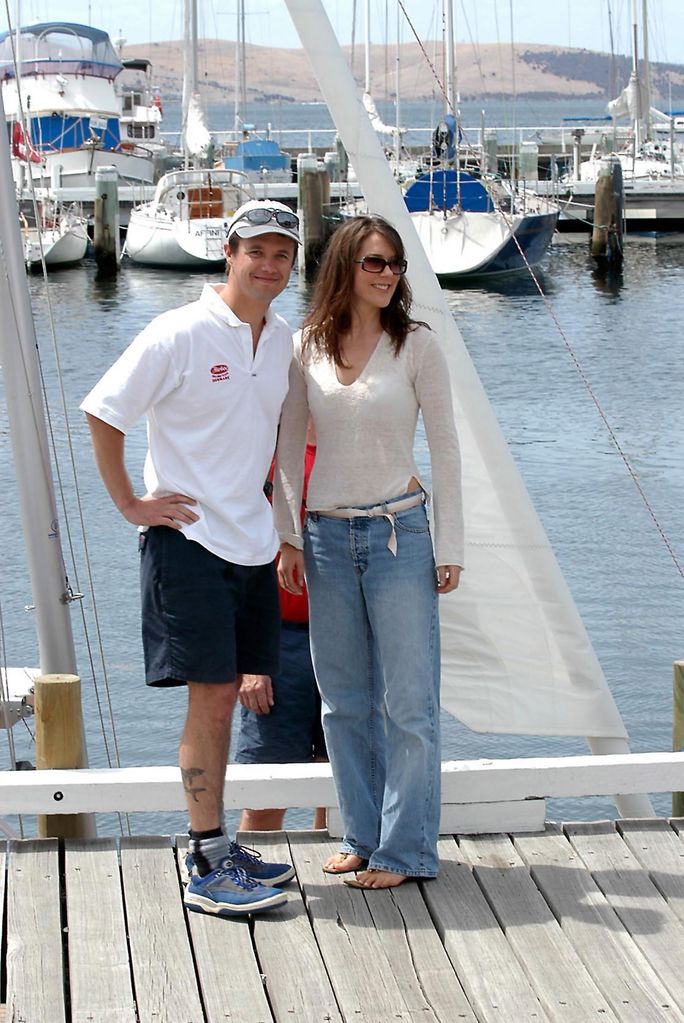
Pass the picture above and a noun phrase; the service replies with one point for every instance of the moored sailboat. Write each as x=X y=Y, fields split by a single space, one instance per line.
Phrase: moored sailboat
x=59 y=239
x=186 y=222
x=471 y=227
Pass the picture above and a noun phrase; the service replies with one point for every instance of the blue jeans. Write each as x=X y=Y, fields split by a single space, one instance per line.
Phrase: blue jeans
x=375 y=646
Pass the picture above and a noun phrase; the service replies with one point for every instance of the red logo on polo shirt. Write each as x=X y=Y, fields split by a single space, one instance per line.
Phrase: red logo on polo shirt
x=219 y=372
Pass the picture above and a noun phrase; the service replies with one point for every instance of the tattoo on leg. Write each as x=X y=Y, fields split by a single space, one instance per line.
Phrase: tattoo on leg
x=189 y=774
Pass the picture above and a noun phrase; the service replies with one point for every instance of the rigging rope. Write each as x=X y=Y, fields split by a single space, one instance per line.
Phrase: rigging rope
x=566 y=341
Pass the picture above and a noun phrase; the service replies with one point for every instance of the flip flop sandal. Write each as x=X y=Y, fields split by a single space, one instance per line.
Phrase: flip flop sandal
x=347 y=870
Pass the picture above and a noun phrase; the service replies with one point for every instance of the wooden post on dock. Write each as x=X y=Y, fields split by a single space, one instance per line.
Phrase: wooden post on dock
x=106 y=221
x=314 y=194
x=60 y=744
x=678 y=727
x=606 y=235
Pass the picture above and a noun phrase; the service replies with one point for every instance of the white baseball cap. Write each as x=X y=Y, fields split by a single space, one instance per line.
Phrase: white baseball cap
x=264 y=216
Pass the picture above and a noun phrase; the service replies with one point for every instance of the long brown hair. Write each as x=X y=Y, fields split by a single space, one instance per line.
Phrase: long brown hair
x=330 y=316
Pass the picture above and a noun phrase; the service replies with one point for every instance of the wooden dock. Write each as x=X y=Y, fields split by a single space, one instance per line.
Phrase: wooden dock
x=579 y=923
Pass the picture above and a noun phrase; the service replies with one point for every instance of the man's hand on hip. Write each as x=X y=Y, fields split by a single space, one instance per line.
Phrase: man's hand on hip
x=172 y=510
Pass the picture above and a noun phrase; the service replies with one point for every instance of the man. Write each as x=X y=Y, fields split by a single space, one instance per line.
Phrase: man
x=280 y=717
x=210 y=377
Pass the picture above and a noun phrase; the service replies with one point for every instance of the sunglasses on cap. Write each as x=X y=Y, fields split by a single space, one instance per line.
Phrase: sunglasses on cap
x=376 y=264
x=286 y=218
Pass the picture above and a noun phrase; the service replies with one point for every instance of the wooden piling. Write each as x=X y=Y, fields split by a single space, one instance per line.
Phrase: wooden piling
x=60 y=744
x=314 y=194
x=606 y=236
x=678 y=727
x=106 y=221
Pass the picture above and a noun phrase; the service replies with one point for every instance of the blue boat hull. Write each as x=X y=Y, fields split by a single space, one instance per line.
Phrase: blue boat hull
x=534 y=237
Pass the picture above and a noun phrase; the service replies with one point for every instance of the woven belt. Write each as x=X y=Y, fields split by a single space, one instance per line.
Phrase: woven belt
x=388 y=510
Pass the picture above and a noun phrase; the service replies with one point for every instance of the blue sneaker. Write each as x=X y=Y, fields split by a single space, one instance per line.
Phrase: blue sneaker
x=249 y=860
x=228 y=891
x=266 y=873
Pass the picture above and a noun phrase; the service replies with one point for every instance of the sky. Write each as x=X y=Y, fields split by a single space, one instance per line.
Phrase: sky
x=577 y=23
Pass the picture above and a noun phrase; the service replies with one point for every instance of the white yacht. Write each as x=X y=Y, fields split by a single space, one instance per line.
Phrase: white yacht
x=65 y=77
x=186 y=223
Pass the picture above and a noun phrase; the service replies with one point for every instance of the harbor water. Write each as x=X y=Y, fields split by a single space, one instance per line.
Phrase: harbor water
x=625 y=331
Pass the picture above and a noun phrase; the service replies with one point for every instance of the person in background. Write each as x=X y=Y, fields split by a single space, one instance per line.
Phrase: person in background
x=210 y=378
x=363 y=370
x=280 y=718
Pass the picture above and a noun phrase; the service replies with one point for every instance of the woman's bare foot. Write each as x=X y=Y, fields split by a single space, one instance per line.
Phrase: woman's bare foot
x=344 y=863
x=376 y=879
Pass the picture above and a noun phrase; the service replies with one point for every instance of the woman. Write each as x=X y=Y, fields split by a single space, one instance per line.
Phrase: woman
x=363 y=369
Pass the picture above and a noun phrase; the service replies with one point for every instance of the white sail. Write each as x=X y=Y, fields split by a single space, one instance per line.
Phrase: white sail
x=197 y=137
x=633 y=104
x=375 y=118
x=516 y=656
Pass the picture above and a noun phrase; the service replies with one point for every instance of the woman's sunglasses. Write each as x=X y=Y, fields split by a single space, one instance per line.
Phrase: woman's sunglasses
x=376 y=264
x=262 y=216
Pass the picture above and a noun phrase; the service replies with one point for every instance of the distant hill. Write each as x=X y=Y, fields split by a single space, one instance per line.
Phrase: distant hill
x=484 y=72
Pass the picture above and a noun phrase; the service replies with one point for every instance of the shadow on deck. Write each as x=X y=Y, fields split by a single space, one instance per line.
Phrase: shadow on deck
x=572 y=924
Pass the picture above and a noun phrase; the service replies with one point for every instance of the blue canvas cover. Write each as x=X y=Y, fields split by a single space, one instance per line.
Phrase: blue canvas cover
x=438 y=190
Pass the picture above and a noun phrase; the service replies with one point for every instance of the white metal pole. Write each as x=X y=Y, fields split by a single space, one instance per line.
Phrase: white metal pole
x=487 y=451
x=635 y=78
x=187 y=75
x=397 y=105
x=29 y=438
x=450 y=57
x=646 y=114
x=367 y=75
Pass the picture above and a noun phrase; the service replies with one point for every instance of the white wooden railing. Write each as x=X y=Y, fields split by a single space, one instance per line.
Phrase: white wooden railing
x=477 y=795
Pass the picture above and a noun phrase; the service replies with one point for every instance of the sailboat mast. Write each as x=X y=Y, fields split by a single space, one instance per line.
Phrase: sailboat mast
x=451 y=89
x=185 y=100
x=450 y=58
x=367 y=70
x=635 y=79
x=29 y=440
x=397 y=105
x=240 y=63
x=647 y=69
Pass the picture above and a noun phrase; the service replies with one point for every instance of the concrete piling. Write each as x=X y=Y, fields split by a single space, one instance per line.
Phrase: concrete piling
x=314 y=195
x=106 y=221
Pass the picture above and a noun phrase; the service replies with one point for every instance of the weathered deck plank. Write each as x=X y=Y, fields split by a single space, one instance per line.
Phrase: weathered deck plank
x=609 y=954
x=99 y=971
x=424 y=973
x=35 y=985
x=360 y=974
x=163 y=968
x=635 y=899
x=546 y=954
x=661 y=852
x=298 y=986
x=492 y=978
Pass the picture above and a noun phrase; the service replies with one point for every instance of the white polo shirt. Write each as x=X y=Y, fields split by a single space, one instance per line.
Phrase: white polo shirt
x=212 y=410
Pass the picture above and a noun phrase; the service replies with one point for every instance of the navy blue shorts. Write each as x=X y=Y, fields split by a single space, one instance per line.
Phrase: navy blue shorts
x=204 y=619
x=292 y=733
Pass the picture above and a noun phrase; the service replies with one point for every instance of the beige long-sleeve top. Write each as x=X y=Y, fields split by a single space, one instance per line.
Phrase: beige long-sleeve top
x=365 y=433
